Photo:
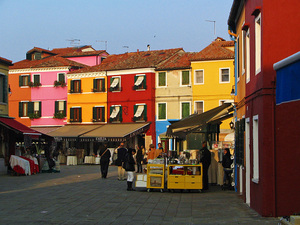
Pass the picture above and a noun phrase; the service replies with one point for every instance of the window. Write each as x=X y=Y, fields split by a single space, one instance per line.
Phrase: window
x=248 y=56
x=37 y=108
x=139 y=82
x=75 y=114
x=199 y=107
x=162 y=111
x=30 y=109
x=255 y=150
x=224 y=75
x=99 y=85
x=185 y=78
x=36 y=80
x=199 y=77
x=99 y=114
x=23 y=109
x=258 y=44
x=115 y=84
x=243 y=51
x=237 y=61
x=61 y=78
x=162 y=79
x=3 y=88
x=60 y=109
x=115 y=113
x=37 y=55
x=75 y=86
x=185 y=109
x=24 y=80
x=140 y=113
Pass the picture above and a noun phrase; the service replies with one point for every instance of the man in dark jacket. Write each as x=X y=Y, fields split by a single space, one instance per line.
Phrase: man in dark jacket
x=129 y=167
x=104 y=160
x=226 y=163
x=121 y=152
x=205 y=159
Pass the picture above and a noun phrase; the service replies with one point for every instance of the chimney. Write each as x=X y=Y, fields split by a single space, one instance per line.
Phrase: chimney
x=137 y=50
x=148 y=47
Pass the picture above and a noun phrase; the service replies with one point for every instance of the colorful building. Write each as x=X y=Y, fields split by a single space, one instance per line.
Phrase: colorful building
x=213 y=78
x=265 y=33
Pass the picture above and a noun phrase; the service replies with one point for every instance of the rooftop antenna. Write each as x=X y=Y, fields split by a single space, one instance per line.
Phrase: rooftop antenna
x=125 y=46
x=74 y=42
x=213 y=21
x=104 y=42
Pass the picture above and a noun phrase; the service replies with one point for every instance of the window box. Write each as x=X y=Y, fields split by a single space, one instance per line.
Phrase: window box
x=34 y=84
x=59 y=115
x=59 y=83
x=33 y=116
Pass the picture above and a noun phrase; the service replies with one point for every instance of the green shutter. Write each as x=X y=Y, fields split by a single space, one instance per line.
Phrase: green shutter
x=135 y=78
x=72 y=86
x=185 y=77
x=80 y=115
x=40 y=109
x=162 y=111
x=144 y=82
x=36 y=79
x=162 y=79
x=94 y=113
x=56 y=106
x=20 y=109
x=145 y=112
x=103 y=114
x=120 y=114
x=103 y=85
x=71 y=114
x=185 y=110
x=79 y=85
x=65 y=108
x=61 y=77
x=95 y=84
x=20 y=81
x=28 y=79
x=134 y=109
x=30 y=107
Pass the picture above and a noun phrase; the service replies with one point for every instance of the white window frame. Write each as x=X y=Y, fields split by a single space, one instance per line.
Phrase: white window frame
x=196 y=79
x=247 y=156
x=23 y=109
x=181 y=108
x=58 y=76
x=119 y=83
x=157 y=111
x=238 y=59
x=185 y=85
x=195 y=103
x=157 y=83
x=255 y=160
x=144 y=77
x=23 y=75
x=247 y=56
x=257 y=44
x=243 y=51
x=36 y=74
x=220 y=76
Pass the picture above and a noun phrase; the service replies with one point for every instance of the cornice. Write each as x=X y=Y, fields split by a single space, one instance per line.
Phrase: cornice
x=46 y=69
x=83 y=75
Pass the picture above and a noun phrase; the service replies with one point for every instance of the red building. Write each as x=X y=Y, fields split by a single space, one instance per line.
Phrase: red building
x=265 y=32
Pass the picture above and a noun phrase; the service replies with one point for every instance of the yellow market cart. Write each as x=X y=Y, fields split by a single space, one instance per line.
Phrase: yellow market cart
x=181 y=176
x=155 y=176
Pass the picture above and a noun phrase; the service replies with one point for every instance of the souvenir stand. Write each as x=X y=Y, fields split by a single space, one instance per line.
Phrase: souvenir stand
x=156 y=174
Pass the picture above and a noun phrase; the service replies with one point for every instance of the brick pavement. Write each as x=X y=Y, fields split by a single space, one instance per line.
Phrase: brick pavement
x=78 y=195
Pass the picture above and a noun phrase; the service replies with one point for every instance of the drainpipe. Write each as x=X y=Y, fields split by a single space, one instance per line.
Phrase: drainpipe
x=233 y=37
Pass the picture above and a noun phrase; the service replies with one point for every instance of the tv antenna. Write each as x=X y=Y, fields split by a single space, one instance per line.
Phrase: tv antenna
x=74 y=42
x=104 y=42
x=213 y=21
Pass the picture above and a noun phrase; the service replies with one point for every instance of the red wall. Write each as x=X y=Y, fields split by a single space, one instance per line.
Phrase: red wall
x=128 y=97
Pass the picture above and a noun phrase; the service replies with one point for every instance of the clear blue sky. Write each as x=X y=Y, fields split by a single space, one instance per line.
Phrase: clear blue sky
x=134 y=23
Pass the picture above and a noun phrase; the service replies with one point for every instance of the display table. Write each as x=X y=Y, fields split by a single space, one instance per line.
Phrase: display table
x=185 y=176
x=97 y=160
x=20 y=165
x=155 y=176
x=71 y=160
x=89 y=160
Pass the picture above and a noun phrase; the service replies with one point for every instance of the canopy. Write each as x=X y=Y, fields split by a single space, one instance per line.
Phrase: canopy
x=195 y=121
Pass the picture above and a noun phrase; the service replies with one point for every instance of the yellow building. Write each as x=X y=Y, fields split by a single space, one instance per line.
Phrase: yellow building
x=87 y=97
x=213 y=78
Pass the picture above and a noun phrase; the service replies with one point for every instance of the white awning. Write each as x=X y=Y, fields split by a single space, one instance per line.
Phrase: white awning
x=115 y=82
x=115 y=112
x=139 y=80
x=139 y=111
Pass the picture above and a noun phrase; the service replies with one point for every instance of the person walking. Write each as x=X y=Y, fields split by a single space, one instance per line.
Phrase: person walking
x=226 y=163
x=104 y=160
x=205 y=159
x=121 y=153
x=129 y=168
x=139 y=159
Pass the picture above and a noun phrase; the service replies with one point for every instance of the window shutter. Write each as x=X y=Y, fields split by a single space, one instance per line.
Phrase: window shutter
x=185 y=77
x=80 y=115
x=65 y=108
x=103 y=84
x=95 y=84
x=28 y=79
x=5 y=89
x=185 y=110
x=162 y=79
x=144 y=82
x=134 y=109
x=56 y=106
x=61 y=77
x=94 y=113
x=135 y=78
x=30 y=107
x=145 y=112
x=20 y=109
x=120 y=114
x=79 y=85
x=40 y=109
x=72 y=86
x=103 y=114
x=20 y=81
x=71 y=114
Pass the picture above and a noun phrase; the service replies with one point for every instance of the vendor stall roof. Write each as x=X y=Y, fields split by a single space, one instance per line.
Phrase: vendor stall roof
x=195 y=121
x=116 y=132
x=19 y=127
x=72 y=130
